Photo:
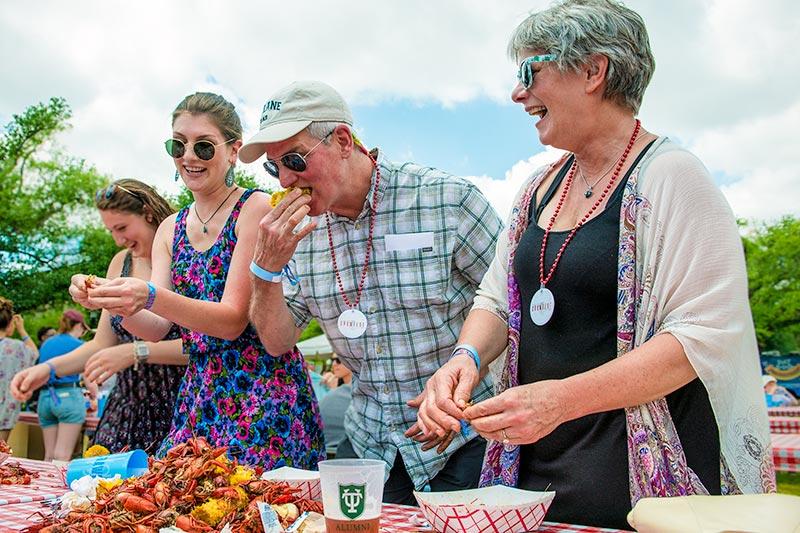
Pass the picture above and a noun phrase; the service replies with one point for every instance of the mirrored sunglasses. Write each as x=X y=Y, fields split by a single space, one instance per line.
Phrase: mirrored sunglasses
x=203 y=149
x=526 y=73
x=293 y=161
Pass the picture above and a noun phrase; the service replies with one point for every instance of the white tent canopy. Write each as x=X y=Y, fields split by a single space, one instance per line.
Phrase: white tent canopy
x=315 y=347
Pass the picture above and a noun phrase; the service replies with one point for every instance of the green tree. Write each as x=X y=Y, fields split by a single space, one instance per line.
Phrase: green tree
x=773 y=271
x=48 y=229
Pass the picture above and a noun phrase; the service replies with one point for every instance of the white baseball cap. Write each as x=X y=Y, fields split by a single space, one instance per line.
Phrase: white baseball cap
x=291 y=110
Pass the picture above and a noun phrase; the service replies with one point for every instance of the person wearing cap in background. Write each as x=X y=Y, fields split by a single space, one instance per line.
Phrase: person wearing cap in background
x=388 y=268
x=62 y=408
x=776 y=395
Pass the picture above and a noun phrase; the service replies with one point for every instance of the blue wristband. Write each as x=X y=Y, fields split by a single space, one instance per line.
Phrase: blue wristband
x=151 y=295
x=471 y=350
x=265 y=275
x=26 y=338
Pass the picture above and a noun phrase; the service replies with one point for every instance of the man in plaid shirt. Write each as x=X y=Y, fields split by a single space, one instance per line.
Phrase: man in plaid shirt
x=399 y=249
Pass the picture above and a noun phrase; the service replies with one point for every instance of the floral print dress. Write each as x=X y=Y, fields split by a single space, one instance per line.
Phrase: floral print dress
x=14 y=357
x=234 y=393
x=139 y=409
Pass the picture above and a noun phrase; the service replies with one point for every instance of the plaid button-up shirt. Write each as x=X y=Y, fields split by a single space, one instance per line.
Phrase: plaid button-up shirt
x=416 y=298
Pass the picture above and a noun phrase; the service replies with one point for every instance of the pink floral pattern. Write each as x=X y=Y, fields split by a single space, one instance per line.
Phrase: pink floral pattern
x=234 y=393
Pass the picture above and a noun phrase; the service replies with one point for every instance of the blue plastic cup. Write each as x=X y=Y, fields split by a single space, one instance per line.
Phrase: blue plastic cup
x=128 y=464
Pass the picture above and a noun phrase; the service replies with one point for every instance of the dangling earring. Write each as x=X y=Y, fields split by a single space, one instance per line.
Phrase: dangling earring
x=229 y=177
x=177 y=175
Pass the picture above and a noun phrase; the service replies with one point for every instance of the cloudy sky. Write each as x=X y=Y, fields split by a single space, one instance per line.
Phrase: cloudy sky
x=427 y=81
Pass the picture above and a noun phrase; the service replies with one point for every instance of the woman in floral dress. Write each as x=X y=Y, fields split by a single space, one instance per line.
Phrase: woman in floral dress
x=234 y=393
x=139 y=409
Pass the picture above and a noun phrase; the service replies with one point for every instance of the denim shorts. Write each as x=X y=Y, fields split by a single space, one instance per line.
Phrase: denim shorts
x=70 y=408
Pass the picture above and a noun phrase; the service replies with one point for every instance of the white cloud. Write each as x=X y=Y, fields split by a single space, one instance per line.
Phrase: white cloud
x=725 y=70
x=501 y=193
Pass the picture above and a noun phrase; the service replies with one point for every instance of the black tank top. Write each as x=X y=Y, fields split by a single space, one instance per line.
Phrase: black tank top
x=586 y=460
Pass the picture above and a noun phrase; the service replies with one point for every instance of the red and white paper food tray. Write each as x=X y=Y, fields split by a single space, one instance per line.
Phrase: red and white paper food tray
x=496 y=509
x=306 y=480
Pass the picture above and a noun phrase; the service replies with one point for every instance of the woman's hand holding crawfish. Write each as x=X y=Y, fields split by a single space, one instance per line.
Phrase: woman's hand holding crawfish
x=441 y=403
x=277 y=239
x=120 y=296
x=79 y=288
x=520 y=415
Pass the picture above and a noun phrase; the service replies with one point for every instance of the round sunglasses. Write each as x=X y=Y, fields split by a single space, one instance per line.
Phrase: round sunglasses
x=203 y=149
x=293 y=161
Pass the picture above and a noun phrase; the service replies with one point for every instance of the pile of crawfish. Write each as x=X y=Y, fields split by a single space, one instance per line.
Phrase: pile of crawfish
x=14 y=474
x=190 y=475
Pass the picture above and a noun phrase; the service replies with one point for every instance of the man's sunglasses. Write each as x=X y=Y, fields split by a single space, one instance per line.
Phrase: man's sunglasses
x=335 y=360
x=203 y=149
x=526 y=73
x=106 y=193
x=293 y=161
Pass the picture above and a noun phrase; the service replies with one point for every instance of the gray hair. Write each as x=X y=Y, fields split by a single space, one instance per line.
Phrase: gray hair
x=319 y=130
x=575 y=29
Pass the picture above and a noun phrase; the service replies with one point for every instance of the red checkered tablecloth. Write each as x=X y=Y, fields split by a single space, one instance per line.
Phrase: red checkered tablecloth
x=49 y=485
x=18 y=516
x=29 y=417
x=786 y=452
x=404 y=518
x=784 y=424
x=395 y=519
x=784 y=411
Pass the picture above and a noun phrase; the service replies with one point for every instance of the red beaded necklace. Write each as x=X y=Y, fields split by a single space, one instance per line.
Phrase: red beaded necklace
x=373 y=212
x=542 y=303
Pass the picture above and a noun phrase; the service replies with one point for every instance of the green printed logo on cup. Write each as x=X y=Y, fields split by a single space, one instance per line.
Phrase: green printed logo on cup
x=351 y=500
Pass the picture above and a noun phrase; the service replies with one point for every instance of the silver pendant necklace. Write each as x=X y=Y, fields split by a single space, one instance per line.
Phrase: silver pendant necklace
x=204 y=222
x=590 y=187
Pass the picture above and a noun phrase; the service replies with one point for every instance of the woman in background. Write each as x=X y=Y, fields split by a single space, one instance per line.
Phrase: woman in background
x=61 y=407
x=15 y=354
x=139 y=408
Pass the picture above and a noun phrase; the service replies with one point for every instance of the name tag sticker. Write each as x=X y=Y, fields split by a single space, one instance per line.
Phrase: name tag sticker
x=409 y=241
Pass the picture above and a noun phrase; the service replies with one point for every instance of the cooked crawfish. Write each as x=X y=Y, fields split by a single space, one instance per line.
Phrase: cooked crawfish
x=15 y=474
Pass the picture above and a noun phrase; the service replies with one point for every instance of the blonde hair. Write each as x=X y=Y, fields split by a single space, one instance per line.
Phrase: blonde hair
x=6 y=312
x=221 y=112
x=133 y=196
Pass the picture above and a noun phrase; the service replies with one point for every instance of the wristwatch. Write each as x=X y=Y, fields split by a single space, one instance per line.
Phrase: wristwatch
x=140 y=353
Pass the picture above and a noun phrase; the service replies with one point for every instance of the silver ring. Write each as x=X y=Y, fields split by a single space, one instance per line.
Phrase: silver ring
x=505 y=436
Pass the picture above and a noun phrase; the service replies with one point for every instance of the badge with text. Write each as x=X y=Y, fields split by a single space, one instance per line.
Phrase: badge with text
x=351 y=500
x=352 y=323
x=542 y=306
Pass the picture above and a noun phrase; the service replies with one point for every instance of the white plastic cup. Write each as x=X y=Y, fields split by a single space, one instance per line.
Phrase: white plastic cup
x=352 y=494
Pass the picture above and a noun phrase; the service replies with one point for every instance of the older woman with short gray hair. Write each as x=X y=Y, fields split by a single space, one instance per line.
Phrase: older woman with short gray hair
x=619 y=293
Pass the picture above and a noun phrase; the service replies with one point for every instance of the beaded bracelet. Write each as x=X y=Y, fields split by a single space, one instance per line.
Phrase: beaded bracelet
x=151 y=295
x=471 y=350
x=26 y=338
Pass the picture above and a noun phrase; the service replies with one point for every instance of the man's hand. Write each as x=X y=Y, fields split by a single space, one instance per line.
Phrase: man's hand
x=277 y=235
x=440 y=406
